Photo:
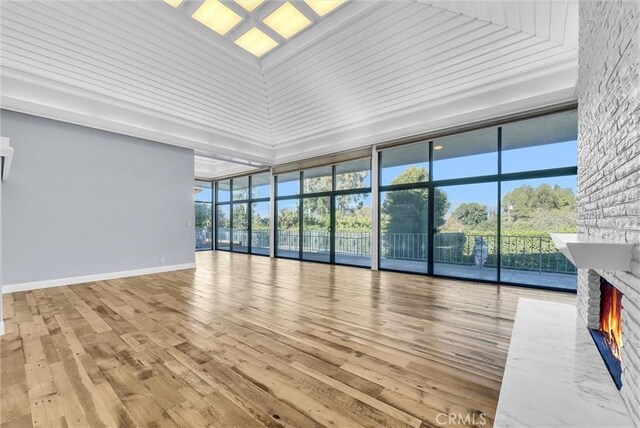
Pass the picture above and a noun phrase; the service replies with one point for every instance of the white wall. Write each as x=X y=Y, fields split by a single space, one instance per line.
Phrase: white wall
x=84 y=202
x=609 y=164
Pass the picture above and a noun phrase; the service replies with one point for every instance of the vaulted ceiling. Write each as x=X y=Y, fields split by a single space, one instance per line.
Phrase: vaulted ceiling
x=371 y=71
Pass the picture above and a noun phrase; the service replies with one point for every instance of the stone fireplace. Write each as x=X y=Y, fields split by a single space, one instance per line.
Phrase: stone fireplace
x=589 y=306
x=609 y=167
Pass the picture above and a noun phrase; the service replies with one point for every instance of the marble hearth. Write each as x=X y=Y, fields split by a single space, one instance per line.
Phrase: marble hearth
x=555 y=375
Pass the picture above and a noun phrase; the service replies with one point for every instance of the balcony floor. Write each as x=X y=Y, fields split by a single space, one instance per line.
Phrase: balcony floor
x=545 y=279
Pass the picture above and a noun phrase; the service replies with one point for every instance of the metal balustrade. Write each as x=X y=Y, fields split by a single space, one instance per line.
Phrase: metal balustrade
x=530 y=253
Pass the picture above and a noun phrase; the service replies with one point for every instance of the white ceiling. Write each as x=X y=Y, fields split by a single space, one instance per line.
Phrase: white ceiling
x=370 y=72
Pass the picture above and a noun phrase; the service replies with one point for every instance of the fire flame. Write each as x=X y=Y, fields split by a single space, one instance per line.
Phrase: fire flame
x=610 y=318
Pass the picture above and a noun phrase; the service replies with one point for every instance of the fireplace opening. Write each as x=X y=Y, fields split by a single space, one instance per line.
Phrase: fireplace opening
x=608 y=337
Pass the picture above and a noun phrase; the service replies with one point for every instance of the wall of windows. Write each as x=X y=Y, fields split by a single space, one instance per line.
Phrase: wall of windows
x=202 y=196
x=478 y=205
x=242 y=214
x=324 y=214
x=481 y=204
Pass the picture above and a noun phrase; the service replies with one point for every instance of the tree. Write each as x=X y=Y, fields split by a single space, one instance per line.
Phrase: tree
x=316 y=210
x=223 y=218
x=288 y=218
x=406 y=211
x=544 y=208
x=471 y=213
x=203 y=215
x=524 y=200
x=240 y=217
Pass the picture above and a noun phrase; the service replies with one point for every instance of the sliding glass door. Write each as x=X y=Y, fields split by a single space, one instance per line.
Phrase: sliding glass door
x=465 y=244
x=324 y=214
x=404 y=208
x=203 y=215
x=288 y=228
x=242 y=214
x=316 y=229
x=481 y=205
x=353 y=229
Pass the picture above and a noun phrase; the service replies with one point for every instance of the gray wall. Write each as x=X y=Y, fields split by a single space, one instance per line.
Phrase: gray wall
x=1 y=303
x=609 y=163
x=81 y=201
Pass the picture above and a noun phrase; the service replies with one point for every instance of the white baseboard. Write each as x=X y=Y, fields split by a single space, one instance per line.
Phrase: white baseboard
x=26 y=286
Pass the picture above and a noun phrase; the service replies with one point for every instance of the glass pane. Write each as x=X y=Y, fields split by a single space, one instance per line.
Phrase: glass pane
x=202 y=191
x=260 y=185
x=466 y=221
x=223 y=233
x=260 y=228
x=403 y=230
x=353 y=175
x=224 y=190
x=318 y=179
x=289 y=184
x=240 y=188
x=203 y=226
x=406 y=164
x=316 y=237
x=541 y=143
x=353 y=229
x=466 y=155
x=531 y=209
x=240 y=235
x=288 y=225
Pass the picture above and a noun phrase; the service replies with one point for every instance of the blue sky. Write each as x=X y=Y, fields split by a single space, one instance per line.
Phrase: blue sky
x=526 y=159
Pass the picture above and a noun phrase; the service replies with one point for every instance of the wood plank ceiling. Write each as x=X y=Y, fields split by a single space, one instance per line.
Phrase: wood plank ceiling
x=370 y=72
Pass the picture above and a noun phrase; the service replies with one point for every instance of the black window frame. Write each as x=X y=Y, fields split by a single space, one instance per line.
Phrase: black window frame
x=498 y=178
x=332 y=194
x=231 y=202
x=211 y=206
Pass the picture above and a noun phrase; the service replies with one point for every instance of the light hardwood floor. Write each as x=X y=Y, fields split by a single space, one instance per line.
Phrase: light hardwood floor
x=248 y=341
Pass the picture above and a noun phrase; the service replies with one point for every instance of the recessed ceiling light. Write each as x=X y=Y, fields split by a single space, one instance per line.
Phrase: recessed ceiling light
x=287 y=20
x=217 y=16
x=174 y=3
x=249 y=5
x=256 y=42
x=322 y=7
x=437 y=147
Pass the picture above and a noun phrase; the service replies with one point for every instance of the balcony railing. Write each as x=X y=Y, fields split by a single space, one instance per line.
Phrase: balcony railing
x=530 y=253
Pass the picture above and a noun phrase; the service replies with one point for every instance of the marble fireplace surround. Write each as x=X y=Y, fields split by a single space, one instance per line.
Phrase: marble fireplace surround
x=555 y=375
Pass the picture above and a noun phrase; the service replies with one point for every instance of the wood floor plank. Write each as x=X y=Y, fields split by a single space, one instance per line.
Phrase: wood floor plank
x=248 y=341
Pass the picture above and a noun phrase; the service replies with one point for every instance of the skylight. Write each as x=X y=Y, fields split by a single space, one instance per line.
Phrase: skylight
x=322 y=7
x=287 y=20
x=217 y=16
x=256 y=42
x=258 y=26
x=174 y=3
x=249 y=5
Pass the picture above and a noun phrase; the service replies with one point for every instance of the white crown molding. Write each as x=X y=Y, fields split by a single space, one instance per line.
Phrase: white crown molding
x=36 y=285
x=210 y=169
